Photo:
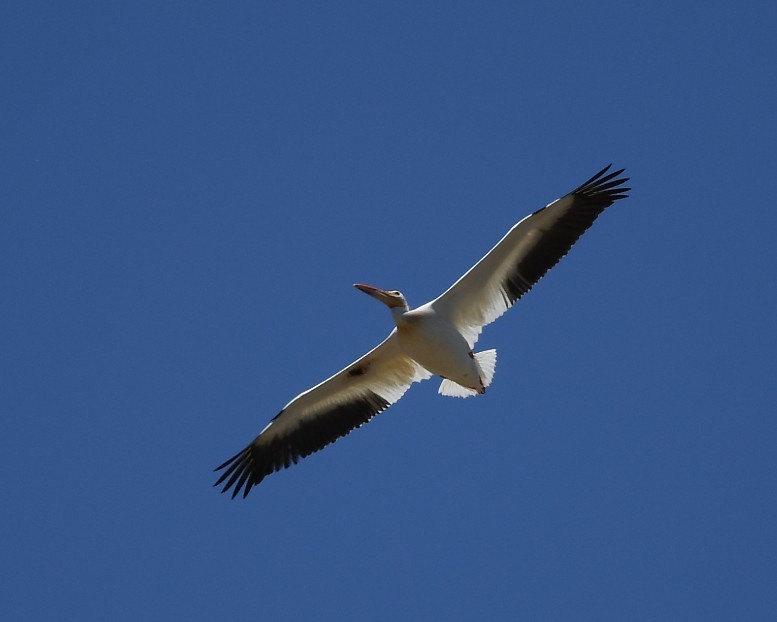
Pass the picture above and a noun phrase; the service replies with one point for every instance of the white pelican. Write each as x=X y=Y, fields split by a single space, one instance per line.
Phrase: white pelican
x=435 y=339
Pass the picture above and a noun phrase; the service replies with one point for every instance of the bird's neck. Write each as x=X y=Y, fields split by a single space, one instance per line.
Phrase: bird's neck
x=398 y=313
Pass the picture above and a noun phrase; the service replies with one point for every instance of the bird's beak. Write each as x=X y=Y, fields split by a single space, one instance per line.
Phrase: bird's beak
x=369 y=289
x=375 y=292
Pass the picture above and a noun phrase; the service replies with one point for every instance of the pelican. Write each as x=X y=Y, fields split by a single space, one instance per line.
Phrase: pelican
x=435 y=339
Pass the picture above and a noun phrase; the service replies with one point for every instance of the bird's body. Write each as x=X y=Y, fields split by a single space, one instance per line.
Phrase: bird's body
x=432 y=341
x=436 y=339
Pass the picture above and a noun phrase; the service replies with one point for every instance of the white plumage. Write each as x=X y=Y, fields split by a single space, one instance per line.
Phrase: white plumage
x=437 y=338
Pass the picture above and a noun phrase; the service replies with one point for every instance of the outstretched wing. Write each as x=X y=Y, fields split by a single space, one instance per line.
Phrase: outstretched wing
x=321 y=415
x=525 y=254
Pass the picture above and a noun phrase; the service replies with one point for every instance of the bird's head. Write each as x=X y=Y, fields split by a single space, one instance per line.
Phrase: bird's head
x=392 y=298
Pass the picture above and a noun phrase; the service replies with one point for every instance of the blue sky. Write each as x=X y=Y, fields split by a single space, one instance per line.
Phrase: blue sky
x=189 y=191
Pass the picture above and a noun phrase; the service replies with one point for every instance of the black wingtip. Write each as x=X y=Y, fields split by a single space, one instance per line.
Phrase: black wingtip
x=605 y=185
x=237 y=473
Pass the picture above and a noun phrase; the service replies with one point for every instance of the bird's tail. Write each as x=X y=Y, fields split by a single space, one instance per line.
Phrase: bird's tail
x=486 y=362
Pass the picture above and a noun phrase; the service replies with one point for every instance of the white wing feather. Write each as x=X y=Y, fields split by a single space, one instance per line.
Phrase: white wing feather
x=324 y=413
x=525 y=254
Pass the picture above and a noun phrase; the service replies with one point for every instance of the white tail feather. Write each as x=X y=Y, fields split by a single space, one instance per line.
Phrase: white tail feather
x=486 y=362
x=452 y=389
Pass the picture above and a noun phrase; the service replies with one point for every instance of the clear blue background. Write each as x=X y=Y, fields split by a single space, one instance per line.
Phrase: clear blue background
x=190 y=189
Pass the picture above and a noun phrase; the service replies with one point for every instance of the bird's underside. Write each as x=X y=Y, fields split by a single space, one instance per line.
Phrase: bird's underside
x=435 y=339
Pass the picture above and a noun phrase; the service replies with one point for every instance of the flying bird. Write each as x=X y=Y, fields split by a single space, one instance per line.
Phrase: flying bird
x=435 y=339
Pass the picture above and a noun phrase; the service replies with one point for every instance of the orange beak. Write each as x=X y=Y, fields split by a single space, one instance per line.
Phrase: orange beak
x=378 y=294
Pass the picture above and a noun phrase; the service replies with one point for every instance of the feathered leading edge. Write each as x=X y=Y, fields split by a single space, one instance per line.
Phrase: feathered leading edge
x=585 y=204
x=261 y=458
